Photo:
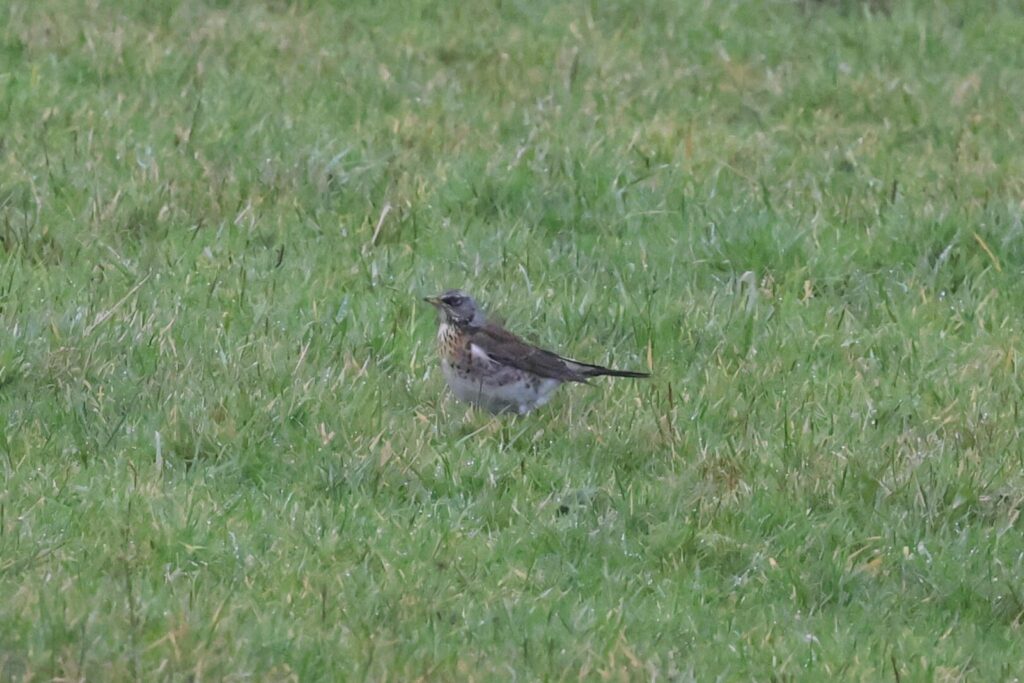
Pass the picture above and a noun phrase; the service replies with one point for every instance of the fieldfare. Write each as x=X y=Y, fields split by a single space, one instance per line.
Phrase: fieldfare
x=486 y=365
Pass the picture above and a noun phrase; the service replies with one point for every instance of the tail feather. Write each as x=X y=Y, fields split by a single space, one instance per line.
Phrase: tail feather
x=598 y=371
x=589 y=370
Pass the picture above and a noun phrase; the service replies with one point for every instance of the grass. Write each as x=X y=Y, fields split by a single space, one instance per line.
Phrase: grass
x=226 y=448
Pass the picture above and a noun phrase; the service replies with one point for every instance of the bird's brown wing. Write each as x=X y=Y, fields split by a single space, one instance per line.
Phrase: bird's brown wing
x=504 y=347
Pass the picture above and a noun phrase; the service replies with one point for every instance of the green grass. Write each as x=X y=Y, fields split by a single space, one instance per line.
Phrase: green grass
x=226 y=448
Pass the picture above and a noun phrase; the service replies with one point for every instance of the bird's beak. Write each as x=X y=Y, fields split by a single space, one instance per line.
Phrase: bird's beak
x=432 y=300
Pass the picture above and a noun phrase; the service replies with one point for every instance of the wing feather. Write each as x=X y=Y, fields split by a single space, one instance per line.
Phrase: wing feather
x=506 y=348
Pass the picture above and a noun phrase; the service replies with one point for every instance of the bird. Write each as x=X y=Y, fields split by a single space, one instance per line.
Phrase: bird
x=486 y=365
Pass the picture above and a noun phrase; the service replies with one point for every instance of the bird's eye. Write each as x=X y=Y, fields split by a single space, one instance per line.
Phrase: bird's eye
x=453 y=300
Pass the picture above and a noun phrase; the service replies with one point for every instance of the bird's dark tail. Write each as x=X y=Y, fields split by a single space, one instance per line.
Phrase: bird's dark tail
x=588 y=370
x=598 y=371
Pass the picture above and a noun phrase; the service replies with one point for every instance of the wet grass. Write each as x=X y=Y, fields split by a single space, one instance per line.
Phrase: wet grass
x=226 y=448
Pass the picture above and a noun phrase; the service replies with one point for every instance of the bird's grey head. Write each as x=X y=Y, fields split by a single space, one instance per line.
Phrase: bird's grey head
x=458 y=308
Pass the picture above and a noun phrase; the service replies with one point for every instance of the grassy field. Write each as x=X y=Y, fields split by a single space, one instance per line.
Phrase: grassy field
x=226 y=448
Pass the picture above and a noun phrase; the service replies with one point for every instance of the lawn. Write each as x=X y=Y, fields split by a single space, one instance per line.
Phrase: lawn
x=227 y=451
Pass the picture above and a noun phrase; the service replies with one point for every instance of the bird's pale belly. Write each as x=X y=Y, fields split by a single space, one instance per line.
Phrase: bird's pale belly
x=499 y=389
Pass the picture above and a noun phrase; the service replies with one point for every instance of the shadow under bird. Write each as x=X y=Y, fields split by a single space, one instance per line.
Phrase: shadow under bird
x=488 y=366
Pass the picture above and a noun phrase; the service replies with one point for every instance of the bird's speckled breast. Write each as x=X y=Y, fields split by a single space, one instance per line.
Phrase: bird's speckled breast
x=453 y=346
